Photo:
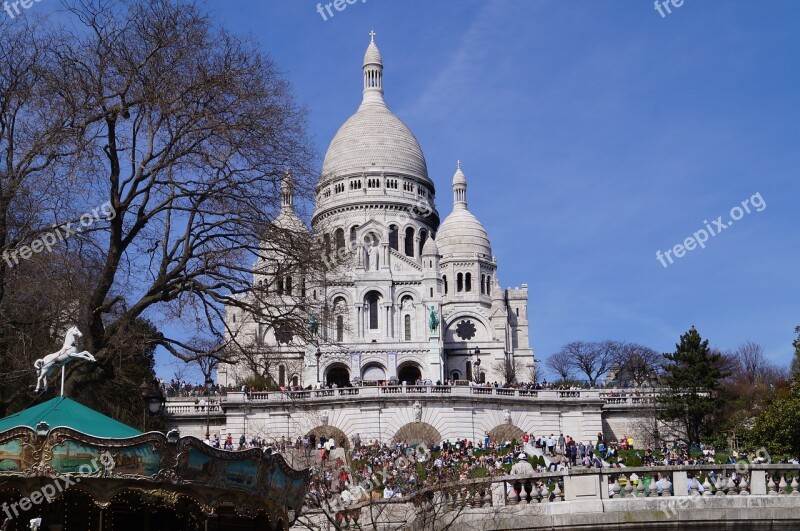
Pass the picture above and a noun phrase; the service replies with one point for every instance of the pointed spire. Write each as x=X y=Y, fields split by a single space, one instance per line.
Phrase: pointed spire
x=373 y=72
x=459 y=188
x=287 y=190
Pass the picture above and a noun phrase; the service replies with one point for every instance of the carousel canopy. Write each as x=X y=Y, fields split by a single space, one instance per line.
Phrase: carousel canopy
x=61 y=412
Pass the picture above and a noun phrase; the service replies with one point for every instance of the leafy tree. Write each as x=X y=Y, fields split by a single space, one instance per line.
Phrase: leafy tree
x=796 y=359
x=777 y=428
x=692 y=376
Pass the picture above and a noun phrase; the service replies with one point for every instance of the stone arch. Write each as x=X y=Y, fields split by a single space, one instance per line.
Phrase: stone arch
x=505 y=432
x=409 y=371
x=331 y=431
x=337 y=373
x=373 y=371
x=418 y=433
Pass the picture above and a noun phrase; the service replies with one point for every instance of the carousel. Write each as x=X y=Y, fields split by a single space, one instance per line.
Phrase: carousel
x=66 y=467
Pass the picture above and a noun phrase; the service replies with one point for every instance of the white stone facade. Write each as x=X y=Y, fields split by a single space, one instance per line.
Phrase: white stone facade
x=375 y=210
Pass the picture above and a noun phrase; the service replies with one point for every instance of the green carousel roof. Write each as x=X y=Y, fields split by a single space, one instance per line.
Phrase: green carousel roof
x=63 y=412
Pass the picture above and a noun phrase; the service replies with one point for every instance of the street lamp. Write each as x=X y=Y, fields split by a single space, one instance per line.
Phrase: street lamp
x=153 y=399
x=209 y=386
x=476 y=370
x=318 y=354
x=535 y=371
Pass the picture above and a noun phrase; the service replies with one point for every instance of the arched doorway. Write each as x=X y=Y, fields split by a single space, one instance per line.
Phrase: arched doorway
x=505 y=433
x=409 y=372
x=329 y=432
x=416 y=433
x=337 y=374
x=373 y=372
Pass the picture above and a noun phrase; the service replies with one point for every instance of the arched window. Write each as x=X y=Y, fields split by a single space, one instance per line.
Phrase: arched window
x=282 y=375
x=393 y=238
x=423 y=237
x=295 y=380
x=468 y=282
x=469 y=370
x=339 y=328
x=372 y=300
x=326 y=239
x=288 y=285
x=409 y=241
x=338 y=238
x=303 y=287
x=353 y=235
x=483 y=284
x=455 y=375
x=280 y=286
x=460 y=283
x=444 y=279
x=488 y=284
x=408 y=327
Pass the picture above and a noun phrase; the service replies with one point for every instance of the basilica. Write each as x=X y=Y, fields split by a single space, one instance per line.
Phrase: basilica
x=421 y=300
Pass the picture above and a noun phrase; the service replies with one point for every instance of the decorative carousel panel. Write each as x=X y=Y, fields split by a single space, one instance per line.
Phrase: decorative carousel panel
x=18 y=452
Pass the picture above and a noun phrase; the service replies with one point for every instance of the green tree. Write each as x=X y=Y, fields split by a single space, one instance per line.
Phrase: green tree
x=796 y=359
x=692 y=375
x=777 y=428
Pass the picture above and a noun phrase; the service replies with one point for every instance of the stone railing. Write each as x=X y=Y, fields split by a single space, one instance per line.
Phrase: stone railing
x=182 y=406
x=612 y=398
x=600 y=499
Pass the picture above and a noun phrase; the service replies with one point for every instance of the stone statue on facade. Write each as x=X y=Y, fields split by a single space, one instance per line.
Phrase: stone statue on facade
x=433 y=319
x=372 y=258
x=313 y=326
x=69 y=352
x=417 y=412
x=507 y=416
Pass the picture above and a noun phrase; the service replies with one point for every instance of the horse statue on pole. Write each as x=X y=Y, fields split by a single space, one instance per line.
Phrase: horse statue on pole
x=69 y=352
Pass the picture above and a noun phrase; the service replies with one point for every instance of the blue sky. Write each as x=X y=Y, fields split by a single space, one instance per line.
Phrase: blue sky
x=592 y=134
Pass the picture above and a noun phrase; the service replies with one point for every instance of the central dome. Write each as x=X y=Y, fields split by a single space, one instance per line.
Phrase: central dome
x=374 y=138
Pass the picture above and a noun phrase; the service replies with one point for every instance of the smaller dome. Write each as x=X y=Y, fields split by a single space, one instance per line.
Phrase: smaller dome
x=287 y=219
x=461 y=234
x=430 y=248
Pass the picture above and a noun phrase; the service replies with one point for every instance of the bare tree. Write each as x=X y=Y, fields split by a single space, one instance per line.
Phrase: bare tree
x=751 y=366
x=561 y=364
x=185 y=131
x=636 y=364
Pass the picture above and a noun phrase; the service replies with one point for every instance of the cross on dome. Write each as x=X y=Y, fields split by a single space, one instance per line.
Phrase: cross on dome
x=372 y=35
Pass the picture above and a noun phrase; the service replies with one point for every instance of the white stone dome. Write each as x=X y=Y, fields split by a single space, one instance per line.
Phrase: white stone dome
x=430 y=248
x=461 y=234
x=374 y=139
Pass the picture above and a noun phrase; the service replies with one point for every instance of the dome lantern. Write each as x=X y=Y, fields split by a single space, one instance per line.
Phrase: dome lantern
x=373 y=72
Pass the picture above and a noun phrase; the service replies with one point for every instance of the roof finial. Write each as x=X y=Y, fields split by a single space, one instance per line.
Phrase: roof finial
x=459 y=164
x=372 y=35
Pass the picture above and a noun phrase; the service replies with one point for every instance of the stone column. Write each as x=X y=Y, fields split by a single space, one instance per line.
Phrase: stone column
x=498 y=494
x=680 y=483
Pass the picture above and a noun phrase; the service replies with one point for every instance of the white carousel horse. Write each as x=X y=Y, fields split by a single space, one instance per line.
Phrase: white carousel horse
x=45 y=366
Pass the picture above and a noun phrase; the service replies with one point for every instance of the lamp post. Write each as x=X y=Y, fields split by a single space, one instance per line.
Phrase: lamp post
x=209 y=386
x=318 y=354
x=476 y=368
x=153 y=399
